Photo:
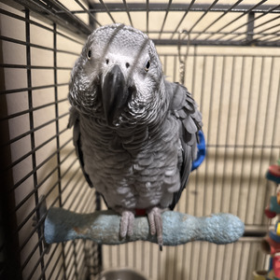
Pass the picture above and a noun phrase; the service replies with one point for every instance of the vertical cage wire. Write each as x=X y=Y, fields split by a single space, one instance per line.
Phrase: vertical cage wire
x=42 y=158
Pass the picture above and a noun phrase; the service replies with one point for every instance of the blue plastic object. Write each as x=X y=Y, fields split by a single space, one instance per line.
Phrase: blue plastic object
x=201 y=153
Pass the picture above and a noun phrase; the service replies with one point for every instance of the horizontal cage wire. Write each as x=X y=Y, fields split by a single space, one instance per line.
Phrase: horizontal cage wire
x=231 y=65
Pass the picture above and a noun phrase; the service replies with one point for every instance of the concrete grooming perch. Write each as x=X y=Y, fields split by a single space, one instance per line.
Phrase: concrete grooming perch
x=103 y=228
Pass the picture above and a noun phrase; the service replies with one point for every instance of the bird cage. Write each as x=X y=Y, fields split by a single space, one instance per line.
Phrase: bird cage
x=225 y=52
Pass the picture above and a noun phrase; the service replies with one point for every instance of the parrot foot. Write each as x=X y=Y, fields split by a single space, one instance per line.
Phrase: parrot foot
x=155 y=221
x=127 y=222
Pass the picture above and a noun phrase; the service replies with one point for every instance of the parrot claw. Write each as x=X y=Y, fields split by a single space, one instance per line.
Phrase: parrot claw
x=155 y=221
x=127 y=222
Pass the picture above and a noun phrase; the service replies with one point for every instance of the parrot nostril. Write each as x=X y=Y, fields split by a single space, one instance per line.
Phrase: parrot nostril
x=107 y=61
x=127 y=65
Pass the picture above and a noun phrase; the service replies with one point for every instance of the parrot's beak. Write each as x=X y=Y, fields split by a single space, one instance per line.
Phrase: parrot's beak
x=114 y=94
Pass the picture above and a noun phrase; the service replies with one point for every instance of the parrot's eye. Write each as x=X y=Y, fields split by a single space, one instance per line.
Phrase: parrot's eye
x=89 y=55
x=147 y=66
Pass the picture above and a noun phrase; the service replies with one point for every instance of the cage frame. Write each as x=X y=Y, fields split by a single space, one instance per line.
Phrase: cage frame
x=60 y=15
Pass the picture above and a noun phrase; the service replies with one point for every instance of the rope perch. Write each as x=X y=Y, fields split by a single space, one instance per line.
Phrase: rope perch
x=103 y=227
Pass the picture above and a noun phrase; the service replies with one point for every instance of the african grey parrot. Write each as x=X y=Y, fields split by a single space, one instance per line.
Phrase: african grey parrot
x=135 y=133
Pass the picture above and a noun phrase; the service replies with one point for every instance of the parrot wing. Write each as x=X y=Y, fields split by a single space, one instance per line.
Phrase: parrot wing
x=184 y=108
x=74 y=121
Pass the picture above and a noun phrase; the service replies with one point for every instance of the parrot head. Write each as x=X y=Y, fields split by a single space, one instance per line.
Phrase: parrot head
x=118 y=77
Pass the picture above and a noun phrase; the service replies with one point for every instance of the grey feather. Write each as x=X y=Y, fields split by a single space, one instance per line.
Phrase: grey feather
x=190 y=117
x=74 y=121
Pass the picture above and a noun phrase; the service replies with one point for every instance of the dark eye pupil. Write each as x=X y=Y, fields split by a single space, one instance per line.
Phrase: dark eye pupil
x=148 y=65
x=89 y=54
